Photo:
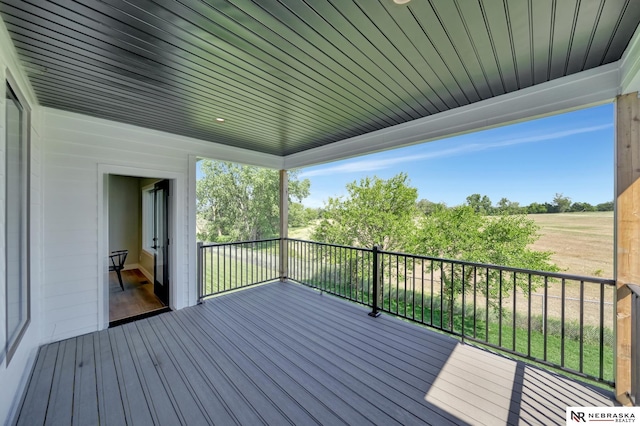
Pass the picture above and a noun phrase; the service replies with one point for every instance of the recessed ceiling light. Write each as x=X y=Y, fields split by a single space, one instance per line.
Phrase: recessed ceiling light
x=220 y=120
x=401 y=1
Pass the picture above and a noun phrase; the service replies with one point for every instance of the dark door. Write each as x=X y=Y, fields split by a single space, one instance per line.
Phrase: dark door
x=161 y=241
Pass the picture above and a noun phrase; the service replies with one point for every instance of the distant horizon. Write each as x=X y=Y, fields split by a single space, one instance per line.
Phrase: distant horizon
x=570 y=154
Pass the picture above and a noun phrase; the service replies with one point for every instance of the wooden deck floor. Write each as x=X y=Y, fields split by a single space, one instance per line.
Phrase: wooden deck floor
x=284 y=354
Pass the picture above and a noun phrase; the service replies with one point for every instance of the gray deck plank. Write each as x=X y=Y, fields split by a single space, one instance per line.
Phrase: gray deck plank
x=318 y=360
x=371 y=371
x=276 y=406
x=36 y=401
x=193 y=373
x=470 y=358
x=110 y=404
x=136 y=408
x=483 y=398
x=295 y=379
x=246 y=393
x=221 y=382
x=158 y=399
x=85 y=410
x=285 y=354
x=61 y=399
x=182 y=396
x=385 y=360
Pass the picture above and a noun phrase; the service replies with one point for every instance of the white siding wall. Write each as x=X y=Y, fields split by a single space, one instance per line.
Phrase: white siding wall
x=78 y=149
x=13 y=377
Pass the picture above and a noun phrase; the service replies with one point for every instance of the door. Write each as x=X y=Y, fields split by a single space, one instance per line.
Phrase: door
x=161 y=241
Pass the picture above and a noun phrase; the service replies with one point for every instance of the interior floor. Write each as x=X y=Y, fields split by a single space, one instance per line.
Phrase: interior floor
x=137 y=298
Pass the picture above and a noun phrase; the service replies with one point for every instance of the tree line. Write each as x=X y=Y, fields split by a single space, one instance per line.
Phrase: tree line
x=236 y=202
x=482 y=204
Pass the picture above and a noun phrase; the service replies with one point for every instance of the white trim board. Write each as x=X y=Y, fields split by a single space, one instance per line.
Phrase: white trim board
x=177 y=254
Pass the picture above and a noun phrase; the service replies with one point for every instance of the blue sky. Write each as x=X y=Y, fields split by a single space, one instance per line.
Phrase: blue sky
x=569 y=153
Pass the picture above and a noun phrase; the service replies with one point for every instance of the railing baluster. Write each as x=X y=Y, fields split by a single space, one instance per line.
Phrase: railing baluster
x=545 y=307
x=464 y=276
x=451 y=301
x=441 y=295
x=601 y=331
x=486 y=308
x=515 y=310
x=529 y=315
x=374 y=312
x=563 y=301
x=581 y=326
x=475 y=300
x=500 y=313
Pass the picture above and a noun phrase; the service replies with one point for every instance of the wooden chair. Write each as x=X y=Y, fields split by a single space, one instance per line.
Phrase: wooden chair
x=118 y=258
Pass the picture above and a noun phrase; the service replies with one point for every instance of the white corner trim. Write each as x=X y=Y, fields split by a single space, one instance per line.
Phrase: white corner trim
x=590 y=87
x=630 y=66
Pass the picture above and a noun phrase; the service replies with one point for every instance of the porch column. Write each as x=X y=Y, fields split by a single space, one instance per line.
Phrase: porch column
x=284 y=224
x=627 y=222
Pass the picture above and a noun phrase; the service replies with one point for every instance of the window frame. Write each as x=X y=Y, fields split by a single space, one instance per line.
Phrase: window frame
x=14 y=337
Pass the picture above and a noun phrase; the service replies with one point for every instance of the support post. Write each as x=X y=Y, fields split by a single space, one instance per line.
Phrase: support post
x=284 y=224
x=627 y=233
x=376 y=283
x=200 y=272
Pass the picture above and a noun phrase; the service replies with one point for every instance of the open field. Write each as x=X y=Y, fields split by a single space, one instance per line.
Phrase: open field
x=582 y=243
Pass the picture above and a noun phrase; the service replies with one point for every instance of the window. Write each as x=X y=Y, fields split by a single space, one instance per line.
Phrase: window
x=17 y=220
x=147 y=218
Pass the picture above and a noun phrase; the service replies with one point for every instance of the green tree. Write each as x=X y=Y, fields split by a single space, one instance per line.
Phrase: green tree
x=464 y=234
x=582 y=207
x=427 y=207
x=561 y=203
x=508 y=207
x=375 y=212
x=480 y=203
x=605 y=207
x=298 y=216
x=535 y=208
x=237 y=202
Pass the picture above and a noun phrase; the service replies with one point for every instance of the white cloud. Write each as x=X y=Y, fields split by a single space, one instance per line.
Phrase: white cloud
x=384 y=163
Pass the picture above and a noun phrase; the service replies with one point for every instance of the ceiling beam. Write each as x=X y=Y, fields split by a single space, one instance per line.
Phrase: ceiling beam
x=579 y=90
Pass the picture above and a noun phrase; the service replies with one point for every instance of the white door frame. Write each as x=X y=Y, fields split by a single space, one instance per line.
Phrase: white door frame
x=176 y=223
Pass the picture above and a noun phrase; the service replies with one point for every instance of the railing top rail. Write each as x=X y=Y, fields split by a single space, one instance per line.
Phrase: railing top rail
x=559 y=275
x=240 y=242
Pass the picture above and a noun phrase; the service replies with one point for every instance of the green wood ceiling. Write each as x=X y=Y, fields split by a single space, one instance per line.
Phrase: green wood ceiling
x=290 y=75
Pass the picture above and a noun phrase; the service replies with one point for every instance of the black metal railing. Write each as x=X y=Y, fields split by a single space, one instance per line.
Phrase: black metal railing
x=635 y=343
x=339 y=270
x=564 y=321
x=230 y=266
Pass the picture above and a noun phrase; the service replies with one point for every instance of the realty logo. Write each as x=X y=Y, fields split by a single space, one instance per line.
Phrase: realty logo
x=602 y=415
x=577 y=416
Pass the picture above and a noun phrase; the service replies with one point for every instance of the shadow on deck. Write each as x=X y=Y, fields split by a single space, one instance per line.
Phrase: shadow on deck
x=285 y=354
